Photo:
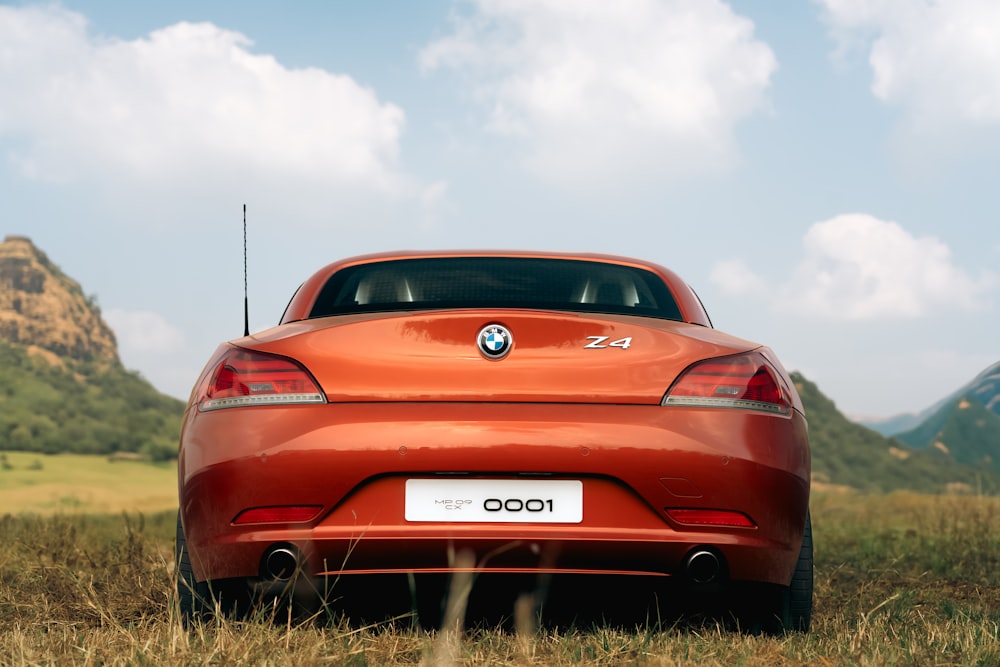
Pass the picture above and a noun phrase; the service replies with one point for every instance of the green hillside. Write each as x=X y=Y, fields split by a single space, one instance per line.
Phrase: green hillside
x=82 y=407
x=965 y=428
x=849 y=454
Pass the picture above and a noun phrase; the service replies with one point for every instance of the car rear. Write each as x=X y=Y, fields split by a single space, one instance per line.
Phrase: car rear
x=392 y=439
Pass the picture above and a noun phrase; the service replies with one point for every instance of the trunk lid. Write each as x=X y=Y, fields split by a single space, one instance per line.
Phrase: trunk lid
x=556 y=357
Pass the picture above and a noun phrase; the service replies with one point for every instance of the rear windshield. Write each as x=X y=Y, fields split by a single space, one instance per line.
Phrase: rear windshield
x=496 y=282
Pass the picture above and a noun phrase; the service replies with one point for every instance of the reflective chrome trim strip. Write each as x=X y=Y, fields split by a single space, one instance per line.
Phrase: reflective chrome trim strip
x=732 y=403
x=267 y=399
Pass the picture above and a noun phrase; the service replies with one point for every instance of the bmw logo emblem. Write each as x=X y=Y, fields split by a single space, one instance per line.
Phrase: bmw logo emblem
x=495 y=341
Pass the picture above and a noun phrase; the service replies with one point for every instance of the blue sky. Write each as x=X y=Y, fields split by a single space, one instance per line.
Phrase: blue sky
x=823 y=173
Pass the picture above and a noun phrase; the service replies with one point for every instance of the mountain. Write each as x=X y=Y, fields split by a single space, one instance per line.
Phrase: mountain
x=966 y=425
x=896 y=423
x=42 y=308
x=849 y=454
x=64 y=388
x=985 y=389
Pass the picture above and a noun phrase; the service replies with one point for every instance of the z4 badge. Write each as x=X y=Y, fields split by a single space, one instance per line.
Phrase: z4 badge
x=598 y=343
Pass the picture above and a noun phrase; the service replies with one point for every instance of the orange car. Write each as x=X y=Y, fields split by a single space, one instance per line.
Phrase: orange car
x=544 y=413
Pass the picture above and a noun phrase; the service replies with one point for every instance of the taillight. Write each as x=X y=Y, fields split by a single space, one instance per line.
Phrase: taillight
x=744 y=381
x=244 y=377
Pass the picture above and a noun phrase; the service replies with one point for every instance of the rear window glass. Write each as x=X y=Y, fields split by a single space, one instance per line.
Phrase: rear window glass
x=496 y=282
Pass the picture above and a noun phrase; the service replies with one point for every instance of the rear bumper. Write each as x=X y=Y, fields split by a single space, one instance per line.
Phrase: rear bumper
x=634 y=462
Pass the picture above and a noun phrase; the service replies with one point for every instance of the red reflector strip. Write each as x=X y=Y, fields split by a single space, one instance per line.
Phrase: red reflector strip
x=286 y=514
x=701 y=517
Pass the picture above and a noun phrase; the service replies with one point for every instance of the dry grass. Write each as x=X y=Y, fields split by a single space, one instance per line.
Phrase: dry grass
x=901 y=579
x=77 y=484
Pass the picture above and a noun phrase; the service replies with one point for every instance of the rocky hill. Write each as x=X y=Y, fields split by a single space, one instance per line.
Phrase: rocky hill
x=43 y=308
x=64 y=387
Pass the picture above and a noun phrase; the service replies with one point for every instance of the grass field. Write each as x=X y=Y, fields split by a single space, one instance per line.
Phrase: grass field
x=74 y=483
x=901 y=579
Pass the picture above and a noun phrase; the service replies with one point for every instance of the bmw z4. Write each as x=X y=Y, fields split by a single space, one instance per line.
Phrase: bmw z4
x=547 y=413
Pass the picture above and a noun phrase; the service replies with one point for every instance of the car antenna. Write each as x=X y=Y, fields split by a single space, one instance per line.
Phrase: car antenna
x=246 y=302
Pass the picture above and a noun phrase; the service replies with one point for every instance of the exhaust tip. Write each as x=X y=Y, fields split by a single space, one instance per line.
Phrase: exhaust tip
x=280 y=563
x=702 y=566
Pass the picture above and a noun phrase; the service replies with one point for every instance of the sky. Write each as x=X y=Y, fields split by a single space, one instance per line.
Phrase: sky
x=825 y=173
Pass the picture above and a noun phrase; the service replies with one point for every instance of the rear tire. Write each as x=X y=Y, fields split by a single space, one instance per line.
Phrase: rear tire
x=192 y=596
x=792 y=604
x=199 y=600
x=800 y=592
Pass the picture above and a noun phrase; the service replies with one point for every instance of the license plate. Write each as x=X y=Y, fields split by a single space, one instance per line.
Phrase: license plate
x=494 y=500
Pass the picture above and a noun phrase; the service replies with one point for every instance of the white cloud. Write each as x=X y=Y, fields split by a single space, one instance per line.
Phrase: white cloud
x=606 y=91
x=143 y=331
x=857 y=267
x=734 y=277
x=937 y=60
x=185 y=106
